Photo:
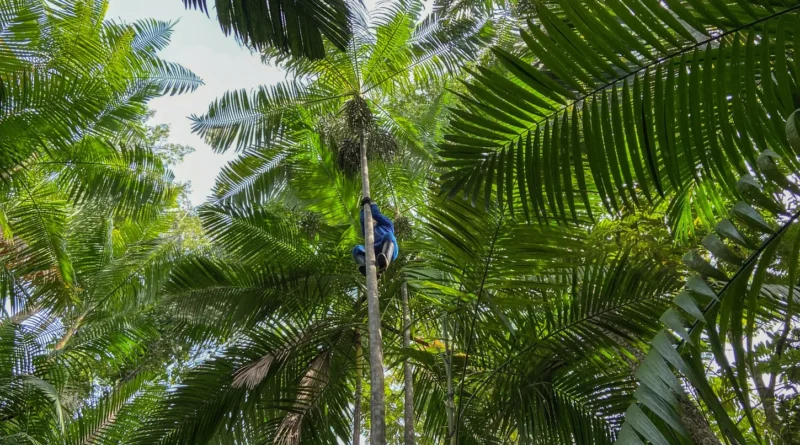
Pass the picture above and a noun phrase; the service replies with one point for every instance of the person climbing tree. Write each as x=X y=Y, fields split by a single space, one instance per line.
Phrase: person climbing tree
x=386 y=248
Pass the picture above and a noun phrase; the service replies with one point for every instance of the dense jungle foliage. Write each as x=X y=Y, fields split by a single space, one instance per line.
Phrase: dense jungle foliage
x=596 y=203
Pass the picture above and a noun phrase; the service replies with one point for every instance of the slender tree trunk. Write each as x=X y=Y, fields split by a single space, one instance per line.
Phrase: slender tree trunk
x=767 y=396
x=377 y=405
x=357 y=408
x=449 y=402
x=407 y=371
x=70 y=332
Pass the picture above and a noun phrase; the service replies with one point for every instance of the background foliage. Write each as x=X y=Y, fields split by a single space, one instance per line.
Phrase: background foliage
x=596 y=204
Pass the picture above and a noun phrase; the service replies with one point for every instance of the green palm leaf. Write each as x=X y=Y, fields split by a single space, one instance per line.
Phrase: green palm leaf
x=610 y=83
x=295 y=28
x=717 y=313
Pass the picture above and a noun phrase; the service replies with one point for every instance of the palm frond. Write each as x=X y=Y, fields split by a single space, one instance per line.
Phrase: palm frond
x=716 y=310
x=623 y=118
x=134 y=178
x=256 y=119
x=295 y=28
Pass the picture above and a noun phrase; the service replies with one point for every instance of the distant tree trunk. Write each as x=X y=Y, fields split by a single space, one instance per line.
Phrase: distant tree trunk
x=767 y=396
x=357 y=408
x=70 y=332
x=407 y=371
x=377 y=405
x=449 y=402
x=696 y=424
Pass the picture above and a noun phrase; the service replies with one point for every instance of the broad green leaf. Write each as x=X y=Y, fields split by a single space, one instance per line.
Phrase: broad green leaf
x=538 y=191
x=501 y=171
x=723 y=82
x=694 y=261
x=663 y=410
x=511 y=92
x=597 y=35
x=632 y=141
x=587 y=57
x=566 y=145
x=768 y=166
x=598 y=144
x=748 y=215
x=532 y=77
x=487 y=195
x=548 y=142
x=510 y=179
x=589 y=139
x=755 y=288
x=577 y=159
x=682 y=91
x=782 y=68
x=698 y=287
x=793 y=131
x=720 y=250
x=710 y=114
x=644 y=426
x=725 y=228
x=620 y=145
x=561 y=67
x=667 y=17
x=675 y=323
x=556 y=166
x=685 y=301
x=642 y=111
x=643 y=14
x=750 y=190
x=610 y=144
x=523 y=154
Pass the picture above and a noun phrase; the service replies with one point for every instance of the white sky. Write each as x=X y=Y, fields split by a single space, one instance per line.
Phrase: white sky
x=198 y=44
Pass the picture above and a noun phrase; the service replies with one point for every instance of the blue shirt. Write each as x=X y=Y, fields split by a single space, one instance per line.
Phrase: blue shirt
x=383 y=227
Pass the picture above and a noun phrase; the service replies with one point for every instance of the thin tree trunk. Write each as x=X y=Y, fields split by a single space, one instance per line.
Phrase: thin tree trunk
x=70 y=332
x=449 y=402
x=767 y=396
x=407 y=371
x=357 y=409
x=377 y=405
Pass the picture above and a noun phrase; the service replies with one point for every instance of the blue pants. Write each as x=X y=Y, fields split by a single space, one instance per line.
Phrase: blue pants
x=359 y=252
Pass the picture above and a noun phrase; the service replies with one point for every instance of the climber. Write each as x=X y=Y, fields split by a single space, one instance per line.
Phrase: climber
x=385 y=243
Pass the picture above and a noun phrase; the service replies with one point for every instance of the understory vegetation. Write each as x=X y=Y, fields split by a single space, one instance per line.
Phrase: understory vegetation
x=596 y=204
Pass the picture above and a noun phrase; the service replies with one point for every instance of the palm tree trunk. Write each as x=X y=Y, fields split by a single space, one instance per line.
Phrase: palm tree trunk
x=449 y=403
x=70 y=332
x=408 y=418
x=377 y=406
x=767 y=396
x=357 y=408
x=696 y=424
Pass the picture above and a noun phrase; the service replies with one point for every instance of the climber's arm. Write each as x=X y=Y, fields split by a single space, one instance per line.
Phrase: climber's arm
x=380 y=218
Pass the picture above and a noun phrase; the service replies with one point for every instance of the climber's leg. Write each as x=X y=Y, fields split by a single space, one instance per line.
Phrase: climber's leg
x=360 y=256
x=386 y=254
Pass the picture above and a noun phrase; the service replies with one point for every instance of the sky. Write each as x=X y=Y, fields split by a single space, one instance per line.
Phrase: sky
x=198 y=44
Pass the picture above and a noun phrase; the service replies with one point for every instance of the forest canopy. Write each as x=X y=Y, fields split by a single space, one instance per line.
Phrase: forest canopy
x=595 y=206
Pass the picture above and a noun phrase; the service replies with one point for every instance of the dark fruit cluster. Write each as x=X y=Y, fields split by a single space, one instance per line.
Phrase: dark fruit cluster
x=348 y=158
x=402 y=228
x=357 y=114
